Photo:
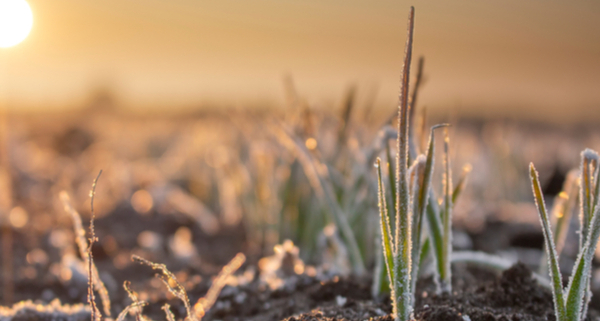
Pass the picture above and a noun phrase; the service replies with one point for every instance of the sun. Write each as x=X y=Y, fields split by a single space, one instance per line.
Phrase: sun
x=16 y=20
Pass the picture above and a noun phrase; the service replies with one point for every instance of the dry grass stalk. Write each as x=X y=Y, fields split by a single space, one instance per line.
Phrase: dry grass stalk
x=96 y=315
x=206 y=302
x=83 y=247
x=170 y=282
x=136 y=306
x=199 y=310
x=168 y=312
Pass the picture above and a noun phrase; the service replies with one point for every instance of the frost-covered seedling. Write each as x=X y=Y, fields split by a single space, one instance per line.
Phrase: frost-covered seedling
x=402 y=245
x=398 y=248
x=413 y=201
x=571 y=304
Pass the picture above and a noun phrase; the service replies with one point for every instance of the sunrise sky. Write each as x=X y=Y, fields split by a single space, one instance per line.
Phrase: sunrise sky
x=510 y=57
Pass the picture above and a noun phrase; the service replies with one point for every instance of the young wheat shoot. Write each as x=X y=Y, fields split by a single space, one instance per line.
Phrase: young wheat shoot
x=398 y=247
x=403 y=245
x=573 y=307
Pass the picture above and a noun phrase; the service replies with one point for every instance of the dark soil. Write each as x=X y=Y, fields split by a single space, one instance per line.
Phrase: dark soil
x=515 y=295
x=478 y=294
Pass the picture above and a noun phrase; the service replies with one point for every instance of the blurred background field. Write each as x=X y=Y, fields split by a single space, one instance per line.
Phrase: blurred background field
x=197 y=188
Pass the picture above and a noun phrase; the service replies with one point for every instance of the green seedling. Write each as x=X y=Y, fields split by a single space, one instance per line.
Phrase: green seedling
x=571 y=304
x=397 y=247
x=403 y=251
x=402 y=246
x=562 y=210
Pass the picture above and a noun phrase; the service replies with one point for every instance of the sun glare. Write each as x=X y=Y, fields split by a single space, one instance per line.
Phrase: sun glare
x=16 y=20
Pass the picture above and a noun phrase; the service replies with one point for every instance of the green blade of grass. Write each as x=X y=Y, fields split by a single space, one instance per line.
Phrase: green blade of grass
x=555 y=277
x=446 y=285
x=462 y=181
x=325 y=193
x=564 y=209
x=387 y=242
x=413 y=146
x=561 y=212
x=391 y=171
x=435 y=235
x=422 y=197
x=589 y=159
x=425 y=249
x=418 y=182
x=579 y=282
x=596 y=189
x=431 y=210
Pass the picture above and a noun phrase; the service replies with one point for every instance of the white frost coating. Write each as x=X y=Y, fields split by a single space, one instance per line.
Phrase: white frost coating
x=590 y=154
x=53 y=311
x=340 y=300
x=493 y=262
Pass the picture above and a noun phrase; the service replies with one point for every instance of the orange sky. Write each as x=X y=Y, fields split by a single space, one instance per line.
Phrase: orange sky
x=494 y=58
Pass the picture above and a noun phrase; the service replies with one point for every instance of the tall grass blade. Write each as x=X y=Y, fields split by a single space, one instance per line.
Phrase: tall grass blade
x=555 y=277
x=403 y=255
